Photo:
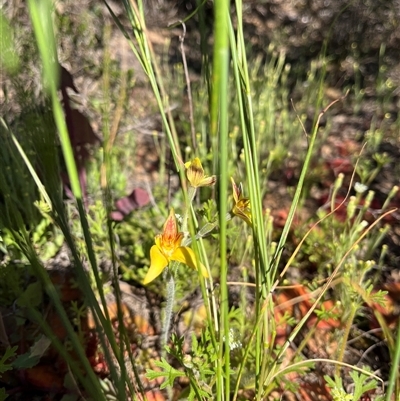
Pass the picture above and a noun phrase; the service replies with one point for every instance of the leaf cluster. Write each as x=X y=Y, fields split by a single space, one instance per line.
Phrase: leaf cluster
x=362 y=383
x=198 y=366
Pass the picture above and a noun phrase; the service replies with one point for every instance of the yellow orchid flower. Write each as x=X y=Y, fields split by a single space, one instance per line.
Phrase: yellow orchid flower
x=241 y=207
x=195 y=174
x=168 y=248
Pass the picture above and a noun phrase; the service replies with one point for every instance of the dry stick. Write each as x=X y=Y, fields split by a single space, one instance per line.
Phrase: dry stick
x=189 y=91
x=295 y=365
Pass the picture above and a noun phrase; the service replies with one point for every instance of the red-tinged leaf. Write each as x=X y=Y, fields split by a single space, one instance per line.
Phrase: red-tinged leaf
x=154 y=395
x=64 y=281
x=80 y=130
x=45 y=377
x=135 y=200
x=341 y=165
x=341 y=212
x=66 y=80
x=56 y=325
x=92 y=344
x=116 y=216
x=347 y=147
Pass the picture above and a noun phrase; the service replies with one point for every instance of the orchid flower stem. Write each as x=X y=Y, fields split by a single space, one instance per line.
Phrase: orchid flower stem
x=190 y=196
x=205 y=230
x=169 y=305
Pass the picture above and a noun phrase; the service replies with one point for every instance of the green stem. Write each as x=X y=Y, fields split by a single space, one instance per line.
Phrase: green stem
x=394 y=371
x=168 y=307
x=168 y=315
x=219 y=131
x=190 y=196
x=346 y=334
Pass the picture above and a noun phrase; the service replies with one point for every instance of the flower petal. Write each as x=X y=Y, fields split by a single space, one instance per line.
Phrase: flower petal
x=158 y=262
x=196 y=176
x=235 y=191
x=185 y=255
x=208 y=181
x=194 y=172
x=242 y=209
x=170 y=230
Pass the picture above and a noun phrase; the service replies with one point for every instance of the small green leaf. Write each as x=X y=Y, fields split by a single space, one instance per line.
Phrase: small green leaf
x=40 y=346
x=9 y=353
x=379 y=298
x=26 y=361
x=362 y=384
x=32 y=296
x=3 y=394
x=167 y=371
x=32 y=357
